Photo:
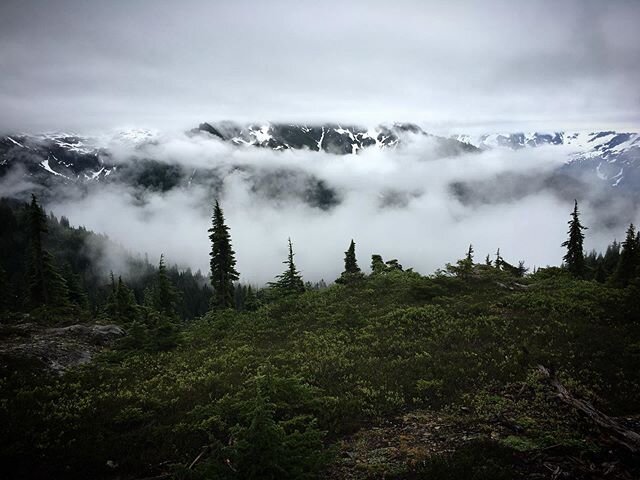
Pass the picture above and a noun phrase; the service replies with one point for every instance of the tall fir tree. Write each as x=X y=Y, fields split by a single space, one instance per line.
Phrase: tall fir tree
x=46 y=286
x=629 y=260
x=351 y=269
x=162 y=295
x=574 y=258
x=223 y=262
x=121 y=304
x=77 y=293
x=612 y=257
x=290 y=281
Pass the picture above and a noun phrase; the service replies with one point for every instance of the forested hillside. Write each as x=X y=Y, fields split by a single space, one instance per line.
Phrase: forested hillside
x=480 y=370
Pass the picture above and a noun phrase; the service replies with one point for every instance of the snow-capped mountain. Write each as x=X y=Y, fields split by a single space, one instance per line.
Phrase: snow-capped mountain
x=612 y=157
x=71 y=158
x=602 y=160
x=59 y=157
x=330 y=138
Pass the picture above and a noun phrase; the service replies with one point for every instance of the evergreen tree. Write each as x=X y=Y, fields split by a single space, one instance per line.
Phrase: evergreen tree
x=521 y=270
x=629 y=259
x=46 y=285
x=351 y=269
x=223 y=262
x=268 y=449
x=463 y=267
x=121 y=304
x=77 y=293
x=350 y=262
x=574 y=258
x=487 y=261
x=600 y=273
x=251 y=302
x=612 y=257
x=239 y=294
x=163 y=296
x=393 y=264
x=290 y=281
x=377 y=264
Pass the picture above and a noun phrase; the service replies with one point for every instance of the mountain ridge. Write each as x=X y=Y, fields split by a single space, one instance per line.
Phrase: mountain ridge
x=607 y=157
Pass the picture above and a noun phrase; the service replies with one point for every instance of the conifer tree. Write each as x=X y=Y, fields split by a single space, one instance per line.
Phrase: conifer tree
x=351 y=268
x=464 y=266
x=251 y=301
x=628 y=263
x=121 y=304
x=290 y=281
x=77 y=293
x=46 y=285
x=612 y=257
x=574 y=258
x=239 y=294
x=163 y=296
x=223 y=262
x=521 y=270
x=600 y=273
x=350 y=262
x=377 y=264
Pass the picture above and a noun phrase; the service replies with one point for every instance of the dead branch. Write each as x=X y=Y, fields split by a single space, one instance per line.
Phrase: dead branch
x=618 y=433
x=197 y=459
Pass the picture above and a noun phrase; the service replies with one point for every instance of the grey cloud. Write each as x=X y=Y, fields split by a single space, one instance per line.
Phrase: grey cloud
x=451 y=65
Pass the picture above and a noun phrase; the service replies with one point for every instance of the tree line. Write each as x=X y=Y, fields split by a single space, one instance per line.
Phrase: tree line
x=619 y=265
x=158 y=306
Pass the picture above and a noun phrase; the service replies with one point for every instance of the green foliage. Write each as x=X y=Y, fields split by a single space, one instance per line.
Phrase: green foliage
x=46 y=286
x=259 y=385
x=379 y=266
x=290 y=281
x=629 y=261
x=82 y=254
x=574 y=258
x=162 y=296
x=351 y=271
x=343 y=356
x=223 y=261
x=121 y=306
x=266 y=448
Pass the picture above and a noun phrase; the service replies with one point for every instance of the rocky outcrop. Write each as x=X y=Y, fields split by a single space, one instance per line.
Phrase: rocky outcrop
x=55 y=349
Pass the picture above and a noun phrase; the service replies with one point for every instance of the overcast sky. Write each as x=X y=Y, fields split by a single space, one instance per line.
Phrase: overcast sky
x=448 y=65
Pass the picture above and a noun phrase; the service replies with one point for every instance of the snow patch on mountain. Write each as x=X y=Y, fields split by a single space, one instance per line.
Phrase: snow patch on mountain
x=605 y=153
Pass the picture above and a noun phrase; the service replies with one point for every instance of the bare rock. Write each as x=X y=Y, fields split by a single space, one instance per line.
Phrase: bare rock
x=56 y=349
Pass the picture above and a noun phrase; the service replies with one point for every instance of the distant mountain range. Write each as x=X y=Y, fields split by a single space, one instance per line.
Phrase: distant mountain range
x=606 y=159
x=612 y=157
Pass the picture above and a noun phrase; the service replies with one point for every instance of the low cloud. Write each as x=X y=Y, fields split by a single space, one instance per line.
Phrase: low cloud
x=398 y=203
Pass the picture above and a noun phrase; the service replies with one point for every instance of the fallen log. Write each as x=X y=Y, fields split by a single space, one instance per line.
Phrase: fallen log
x=616 y=432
